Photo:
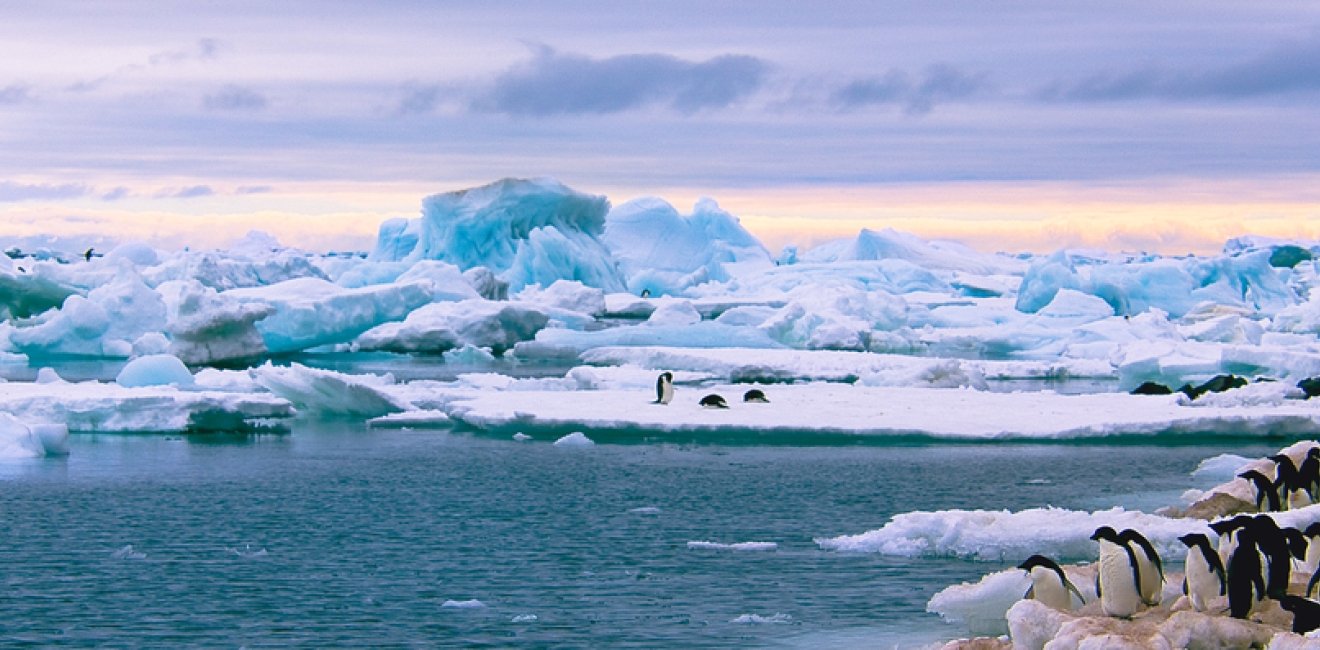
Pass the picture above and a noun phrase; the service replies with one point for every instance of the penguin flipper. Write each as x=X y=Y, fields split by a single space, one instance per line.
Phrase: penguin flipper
x=1310 y=585
x=1031 y=592
x=1185 y=591
x=1097 y=583
x=1073 y=588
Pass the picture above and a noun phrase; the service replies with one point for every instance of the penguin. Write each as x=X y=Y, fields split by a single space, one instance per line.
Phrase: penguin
x=1265 y=492
x=1203 y=578
x=646 y=293
x=1312 y=561
x=1246 y=579
x=713 y=401
x=1288 y=483
x=88 y=255
x=755 y=395
x=664 y=388
x=1278 y=548
x=1308 y=475
x=1118 y=579
x=1049 y=584
x=1306 y=613
x=1148 y=561
x=1227 y=530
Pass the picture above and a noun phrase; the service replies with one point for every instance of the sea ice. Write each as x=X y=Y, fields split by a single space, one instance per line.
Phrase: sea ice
x=155 y=370
x=22 y=440
x=737 y=546
x=443 y=326
x=575 y=439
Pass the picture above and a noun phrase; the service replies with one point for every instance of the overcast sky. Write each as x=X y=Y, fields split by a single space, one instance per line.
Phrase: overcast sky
x=1011 y=126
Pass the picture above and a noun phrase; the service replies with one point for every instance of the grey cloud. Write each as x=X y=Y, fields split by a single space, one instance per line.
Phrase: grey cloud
x=554 y=83
x=1290 y=68
x=204 y=49
x=11 y=191
x=418 y=99
x=115 y=194
x=917 y=96
x=253 y=189
x=193 y=192
x=14 y=94
x=235 y=98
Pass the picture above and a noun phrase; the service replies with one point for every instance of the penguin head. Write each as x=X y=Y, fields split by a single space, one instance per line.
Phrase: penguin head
x=1313 y=452
x=1312 y=530
x=1105 y=533
x=1297 y=542
x=1194 y=540
x=1038 y=561
x=667 y=376
x=1283 y=460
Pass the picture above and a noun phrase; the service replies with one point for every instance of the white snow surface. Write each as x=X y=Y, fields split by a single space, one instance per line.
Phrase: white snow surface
x=96 y=407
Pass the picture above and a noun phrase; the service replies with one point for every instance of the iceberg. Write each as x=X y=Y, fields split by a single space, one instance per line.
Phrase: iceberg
x=526 y=231
x=106 y=323
x=441 y=327
x=330 y=393
x=663 y=253
x=20 y=440
x=97 y=407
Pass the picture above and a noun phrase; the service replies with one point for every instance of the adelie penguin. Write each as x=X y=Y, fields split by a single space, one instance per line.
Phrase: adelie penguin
x=1118 y=579
x=1246 y=575
x=1204 y=579
x=1151 y=571
x=1306 y=613
x=1267 y=497
x=756 y=396
x=1049 y=584
x=664 y=388
x=713 y=401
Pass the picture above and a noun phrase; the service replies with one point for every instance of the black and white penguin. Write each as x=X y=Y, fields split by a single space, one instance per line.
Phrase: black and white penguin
x=755 y=395
x=1312 y=561
x=88 y=254
x=1203 y=579
x=1308 y=474
x=1148 y=561
x=1278 y=548
x=1288 y=483
x=1267 y=498
x=1118 y=580
x=713 y=401
x=1306 y=613
x=646 y=293
x=1049 y=584
x=664 y=388
x=1246 y=575
x=1227 y=530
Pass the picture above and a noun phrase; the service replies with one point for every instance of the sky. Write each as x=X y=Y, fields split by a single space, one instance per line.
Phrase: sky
x=1024 y=126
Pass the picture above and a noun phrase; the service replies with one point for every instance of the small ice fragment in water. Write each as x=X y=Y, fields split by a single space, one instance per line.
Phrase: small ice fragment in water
x=757 y=619
x=521 y=437
x=1037 y=481
x=525 y=618
x=127 y=553
x=248 y=551
x=464 y=604
x=575 y=439
x=740 y=546
x=646 y=510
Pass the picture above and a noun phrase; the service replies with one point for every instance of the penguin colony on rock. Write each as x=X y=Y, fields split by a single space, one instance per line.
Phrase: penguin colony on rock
x=1252 y=562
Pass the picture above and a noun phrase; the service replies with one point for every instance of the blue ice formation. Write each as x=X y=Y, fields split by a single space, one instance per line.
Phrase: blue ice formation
x=1175 y=286
x=526 y=231
x=154 y=370
x=104 y=324
x=889 y=244
x=663 y=252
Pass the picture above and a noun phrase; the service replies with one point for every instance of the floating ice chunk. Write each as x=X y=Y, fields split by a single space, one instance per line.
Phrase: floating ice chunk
x=209 y=327
x=575 y=439
x=25 y=293
x=327 y=392
x=737 y=546
x=468 y=355
x=427 y=418
x=1221 y=468
x=155 y=370
x=248 y=551
x=310 y=312
x=524 y=618
x=136 y=253
x=1000 y=536
x=526 y=231
x=568 y=295
x=19 y=440
x=674 y=313
x=664 y=252
x=778 y=618
x=109 y=407
x=104 y=324
x=439 y=327
x=645 y=510
x=982 y=606
x=569 y=344
x=126 y=552
x=521 y=437
x=224 y=270
x=464 y=604
x=47 y=375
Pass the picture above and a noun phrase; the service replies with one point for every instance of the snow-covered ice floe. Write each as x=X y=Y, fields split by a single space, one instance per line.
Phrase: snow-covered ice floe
x=26 y=440
x=108 y=407
x=843 y=409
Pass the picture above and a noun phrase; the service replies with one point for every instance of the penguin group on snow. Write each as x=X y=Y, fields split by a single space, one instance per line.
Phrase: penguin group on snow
x=1253 y=560
x=1310 y=386
x=664 y=394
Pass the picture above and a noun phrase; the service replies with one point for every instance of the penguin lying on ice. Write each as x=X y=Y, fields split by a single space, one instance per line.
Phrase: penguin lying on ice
x=1049 y=584
x=713 y=401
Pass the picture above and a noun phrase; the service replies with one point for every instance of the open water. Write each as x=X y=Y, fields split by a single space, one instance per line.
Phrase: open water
x=338 y=536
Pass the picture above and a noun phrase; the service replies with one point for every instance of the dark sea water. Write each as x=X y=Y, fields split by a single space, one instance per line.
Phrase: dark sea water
x=338 y=536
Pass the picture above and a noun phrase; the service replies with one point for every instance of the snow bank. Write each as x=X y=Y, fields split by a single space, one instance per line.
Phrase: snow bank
x=438 y=327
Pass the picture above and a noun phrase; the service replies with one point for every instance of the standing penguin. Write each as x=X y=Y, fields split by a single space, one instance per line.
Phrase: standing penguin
x=1049 y=584
x=1227 y=530
x=1267 y=497
x=1309 y=473
x=1148 y=559
x=1119 y=578
x=1204 y=578
x=1246 y=575
x=1288 y=483
x=664 y=388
